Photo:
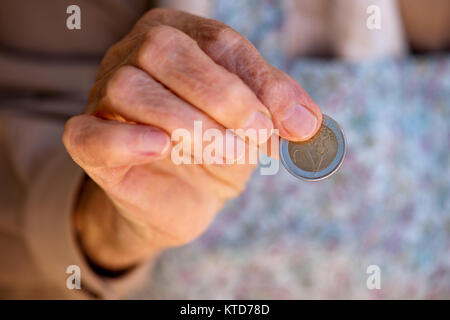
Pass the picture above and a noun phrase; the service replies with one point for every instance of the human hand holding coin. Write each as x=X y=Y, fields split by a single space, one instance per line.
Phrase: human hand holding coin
x=172 y=69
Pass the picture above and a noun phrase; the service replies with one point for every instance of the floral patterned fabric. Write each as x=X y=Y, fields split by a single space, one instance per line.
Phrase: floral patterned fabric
x=389 y=205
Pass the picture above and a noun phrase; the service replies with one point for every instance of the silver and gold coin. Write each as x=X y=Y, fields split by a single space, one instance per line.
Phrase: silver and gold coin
x=317 y=158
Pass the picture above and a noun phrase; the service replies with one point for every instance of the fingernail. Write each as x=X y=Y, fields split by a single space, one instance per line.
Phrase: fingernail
x=262 y=124
x=153 y=142
x=299 y=122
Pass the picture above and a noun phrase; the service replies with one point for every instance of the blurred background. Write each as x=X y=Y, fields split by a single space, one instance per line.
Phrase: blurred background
x=388 y=88
x=388 y=205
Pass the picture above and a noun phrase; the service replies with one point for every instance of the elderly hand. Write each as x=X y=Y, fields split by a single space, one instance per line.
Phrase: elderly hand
x=171 y=69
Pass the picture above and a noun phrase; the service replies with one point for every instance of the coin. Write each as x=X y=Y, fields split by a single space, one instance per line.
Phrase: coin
x=318 y=157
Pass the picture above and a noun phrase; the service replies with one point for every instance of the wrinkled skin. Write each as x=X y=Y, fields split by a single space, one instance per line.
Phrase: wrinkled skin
x=171 y=69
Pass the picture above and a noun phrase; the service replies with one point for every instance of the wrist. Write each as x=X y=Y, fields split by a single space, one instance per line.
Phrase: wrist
x=109 y=240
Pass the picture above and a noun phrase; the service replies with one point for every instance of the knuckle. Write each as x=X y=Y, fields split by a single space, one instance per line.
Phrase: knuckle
x=159 y=42
x=77 y=139
x=224 y=39
x=162 y=35
x=155 y=14
x=227 y=35
x=109 y=143
x=71 y=135
x=120 y=85
x=233 y=89
x=226 y=93
x=274 y=83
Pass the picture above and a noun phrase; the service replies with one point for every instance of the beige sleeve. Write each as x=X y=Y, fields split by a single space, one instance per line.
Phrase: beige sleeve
x=46 y=72
x=42 y=214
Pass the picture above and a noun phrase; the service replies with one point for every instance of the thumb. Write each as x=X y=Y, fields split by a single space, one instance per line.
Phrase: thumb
x=93 y=142
x=294 y=113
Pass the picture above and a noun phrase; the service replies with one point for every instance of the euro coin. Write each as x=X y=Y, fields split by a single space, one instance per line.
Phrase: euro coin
x=318 y=157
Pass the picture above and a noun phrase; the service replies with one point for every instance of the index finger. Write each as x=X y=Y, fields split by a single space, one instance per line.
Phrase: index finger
x=293 y=111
